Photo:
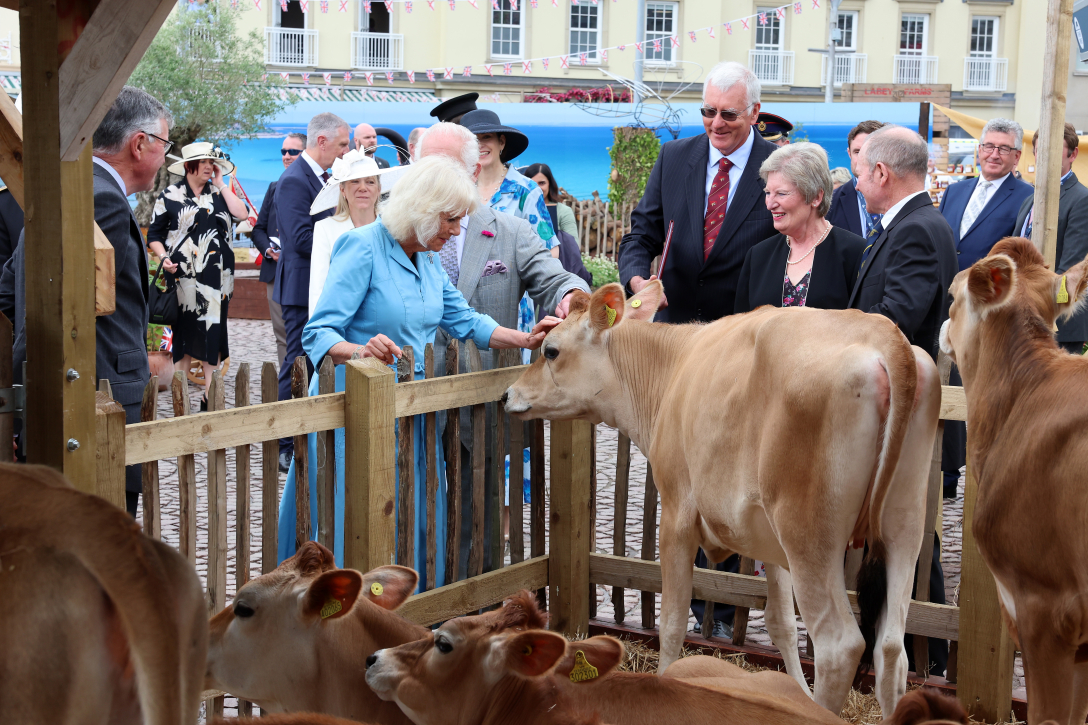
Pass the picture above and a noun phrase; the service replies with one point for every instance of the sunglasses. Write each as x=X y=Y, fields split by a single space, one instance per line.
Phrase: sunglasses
x=729 y=115
x=290 y=152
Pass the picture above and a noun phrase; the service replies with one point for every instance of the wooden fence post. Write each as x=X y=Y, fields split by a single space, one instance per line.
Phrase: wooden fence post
x=150 y=470
x=242 y=476
x=326 y=463
x=571 y=533
x=270 y=477
x=300 y=388
x=217 y=509
x=179 y=395
x=984 y=684
x=369 y=460
x=110 y=450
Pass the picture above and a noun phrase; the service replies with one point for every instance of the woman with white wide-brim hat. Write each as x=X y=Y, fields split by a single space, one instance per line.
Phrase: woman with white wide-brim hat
x=353 y=188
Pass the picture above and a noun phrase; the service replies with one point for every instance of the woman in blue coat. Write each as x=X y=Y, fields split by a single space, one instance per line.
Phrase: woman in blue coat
x=386 y=289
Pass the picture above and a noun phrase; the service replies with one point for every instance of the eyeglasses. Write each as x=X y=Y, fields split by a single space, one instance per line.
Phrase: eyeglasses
x=166 y=145
x=989 y=148
x=290 y=152
x=729 y=115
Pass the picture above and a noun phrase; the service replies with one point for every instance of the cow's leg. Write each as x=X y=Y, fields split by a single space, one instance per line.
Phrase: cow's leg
x=1048 y=666
x=678 y=546
x=781 y=621
x=890 y=654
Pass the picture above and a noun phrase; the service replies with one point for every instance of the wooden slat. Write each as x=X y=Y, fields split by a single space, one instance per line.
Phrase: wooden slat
x=479 y=452
x=241 y=488
x=429 y=445
x=592 y=590
x=217 y=509
x=149 y=473
x=300 y=386
x=406 y=470
x=473 y=594
x=953 y=403
x=517 y=491
x=495 y=498
x=740 y=614
x=11 y=148
x=270 y=476
x=649 y=545
x=459 y=391
x=326 y=463
x=571 y=534
x=105 y=275
x=538 y=502
x=109 y=456
x=453 y=475
x=619 y=525
x=179 y=395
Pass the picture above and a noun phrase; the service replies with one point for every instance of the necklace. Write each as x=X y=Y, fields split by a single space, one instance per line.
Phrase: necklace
x=490 y=189
x=789 y=243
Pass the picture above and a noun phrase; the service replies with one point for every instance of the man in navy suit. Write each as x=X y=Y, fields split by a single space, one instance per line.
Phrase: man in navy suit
x=848 y=210
x=709 y=239
x=327 y=138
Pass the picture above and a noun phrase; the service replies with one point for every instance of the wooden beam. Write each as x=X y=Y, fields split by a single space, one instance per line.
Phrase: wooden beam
x=571 y=534
x=108 y=451
x=469 y=595
x=433 y=394
x=1048 y=158
x=115 y=39
x=105 y=277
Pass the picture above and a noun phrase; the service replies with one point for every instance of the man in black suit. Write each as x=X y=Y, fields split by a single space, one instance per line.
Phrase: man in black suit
x=11 y=224
x=327 y=138
x=366 y=140
x=266 y=238
x=848 y=210
x=709 y=239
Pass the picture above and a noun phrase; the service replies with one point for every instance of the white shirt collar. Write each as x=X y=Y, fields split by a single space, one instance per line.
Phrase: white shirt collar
x=113 y=173
x=889 y=216
x=996 y=183
x=739 y=157
x=318 y=171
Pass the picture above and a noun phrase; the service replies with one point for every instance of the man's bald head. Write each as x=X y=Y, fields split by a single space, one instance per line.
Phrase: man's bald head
x=366 y=138
x=453 y=141
x=891 y=166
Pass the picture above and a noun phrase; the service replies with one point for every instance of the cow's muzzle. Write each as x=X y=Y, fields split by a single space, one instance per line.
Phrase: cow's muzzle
x=514 y=403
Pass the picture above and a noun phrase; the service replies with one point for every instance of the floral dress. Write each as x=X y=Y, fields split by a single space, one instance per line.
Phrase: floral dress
x=522 y=197
x=196 y=232
x=795 y=295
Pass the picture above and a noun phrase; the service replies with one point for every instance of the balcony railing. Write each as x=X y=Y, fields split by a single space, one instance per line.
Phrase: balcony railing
x=985 y=74
x=849 y=68
x=914 y=69
x=772 y=67
x=377 y=51
x=290 y=46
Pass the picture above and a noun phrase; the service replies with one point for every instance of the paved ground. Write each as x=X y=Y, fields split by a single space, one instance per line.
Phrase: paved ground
x=252 y=342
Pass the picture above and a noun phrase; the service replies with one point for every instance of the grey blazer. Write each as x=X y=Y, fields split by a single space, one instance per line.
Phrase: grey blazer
x=529 y=267
x=1072 y=245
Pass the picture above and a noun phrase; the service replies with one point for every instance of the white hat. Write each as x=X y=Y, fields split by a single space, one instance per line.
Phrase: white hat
x=354 y=165
x=197 y=151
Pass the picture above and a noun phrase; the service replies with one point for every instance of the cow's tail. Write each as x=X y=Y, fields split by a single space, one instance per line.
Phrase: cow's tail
x=899 y=366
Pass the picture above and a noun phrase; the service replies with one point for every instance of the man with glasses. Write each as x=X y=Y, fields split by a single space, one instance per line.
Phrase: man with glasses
x=266 y=238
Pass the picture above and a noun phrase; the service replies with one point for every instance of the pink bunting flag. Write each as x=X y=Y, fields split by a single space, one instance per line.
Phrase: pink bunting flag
x=555 y=3
x=257 y=3
x=513 y=4
x=389 y=6
x=623 y=47
x=495 y=5
x=283 y=5
x=366 y=6
x=533 y=4
x=305 y=79
x=675 y=40
x=691 y=34
x=545 y=62
x=763 y=18
x=285 y=76
x=430 y=75
x=488 y=69
x=781 y=13
x=526 y=66
x=369 y=79
x=604 y=56
x=328 y=78
x=448 y=74
x=347 y=76
x=389 y=76
x=343 y=6
x=453 y=4
x=638 y=47
x=797 y=8
x=468 y=72
x=710 y=31
x=815 y=4
x=657 y=45
x=744 y=22
x=430 y=4
x=473 y=4
x=305 y=5
x=234 y=4
x=411 y=76
x=325 y=6
x=728 y=28
x=506 y=69
x=408 y=6
x=581 y=59
x=564 y=61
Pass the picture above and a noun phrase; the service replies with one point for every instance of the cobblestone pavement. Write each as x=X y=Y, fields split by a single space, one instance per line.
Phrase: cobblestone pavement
x=251 y=341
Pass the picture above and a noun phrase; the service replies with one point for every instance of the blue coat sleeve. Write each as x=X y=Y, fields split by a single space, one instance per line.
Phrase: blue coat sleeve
x=461 y=321
x=343 y=296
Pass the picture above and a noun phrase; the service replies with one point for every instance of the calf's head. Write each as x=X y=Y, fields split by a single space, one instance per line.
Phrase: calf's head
x=290 y=628
x=575 y=374
x=1005 y=296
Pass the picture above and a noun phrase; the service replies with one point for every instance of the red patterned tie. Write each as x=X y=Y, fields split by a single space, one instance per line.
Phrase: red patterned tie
x=715 y=206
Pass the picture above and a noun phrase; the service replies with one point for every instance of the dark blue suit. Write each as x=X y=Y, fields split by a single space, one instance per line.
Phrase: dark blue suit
x=844 y=212
x=266 y=227
x=295 y=192
x=995 y=222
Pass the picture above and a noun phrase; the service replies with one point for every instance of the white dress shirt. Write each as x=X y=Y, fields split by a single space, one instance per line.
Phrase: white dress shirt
x=326 y=232
x=986 y=193
x=318 y=171
x=739 y=159
x=113 y=173
x=889 y=216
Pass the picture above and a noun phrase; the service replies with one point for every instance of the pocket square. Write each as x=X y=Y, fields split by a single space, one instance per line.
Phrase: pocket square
x=495 y=266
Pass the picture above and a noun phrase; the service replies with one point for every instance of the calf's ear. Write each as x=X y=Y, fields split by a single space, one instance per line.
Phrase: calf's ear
x=1075 y=289
x=332 y=594
x=533 y=653
x=990 y=282
x=604 y=653
x=389 y=586
x=606 y=308
x=643 y=306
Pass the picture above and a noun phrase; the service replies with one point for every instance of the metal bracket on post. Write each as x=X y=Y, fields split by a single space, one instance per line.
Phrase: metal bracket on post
x=13 y=400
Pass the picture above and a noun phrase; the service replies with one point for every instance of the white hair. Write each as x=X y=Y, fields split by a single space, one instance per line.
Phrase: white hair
x=727 y=74
x=1005 y=125
x=324 y=124
x=470 y=147
x=431 y=187
x=805 y=166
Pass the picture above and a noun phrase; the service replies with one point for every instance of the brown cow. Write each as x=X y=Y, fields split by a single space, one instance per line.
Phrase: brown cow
x=297 y=638
x=782 y=434
x=98 y=623
x=297 y=718
x=1027 y=404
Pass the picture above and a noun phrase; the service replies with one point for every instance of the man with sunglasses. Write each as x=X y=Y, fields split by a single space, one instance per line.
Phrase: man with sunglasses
x=266 y=238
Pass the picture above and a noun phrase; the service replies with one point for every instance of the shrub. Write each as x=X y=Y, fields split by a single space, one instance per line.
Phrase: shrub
x=634 y=152
x=604 y=270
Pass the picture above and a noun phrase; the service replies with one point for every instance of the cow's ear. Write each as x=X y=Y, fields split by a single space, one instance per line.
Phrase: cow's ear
x=606 y=308
x=332 y=594
x=579 y=302
x=603 y=654
x=990 y=282
x=1075 y=289
x=643 y=306
x=533 y=653
x=389 y=586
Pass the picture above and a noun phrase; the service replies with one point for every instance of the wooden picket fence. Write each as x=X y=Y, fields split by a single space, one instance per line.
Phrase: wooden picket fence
x=565 y=562
x=601 y=225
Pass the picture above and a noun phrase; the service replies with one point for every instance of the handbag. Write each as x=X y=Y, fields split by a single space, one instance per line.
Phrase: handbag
x=162 y=305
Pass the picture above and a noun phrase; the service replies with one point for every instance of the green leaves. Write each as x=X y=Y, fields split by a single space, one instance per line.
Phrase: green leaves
x=633 y=155
x=604 y=270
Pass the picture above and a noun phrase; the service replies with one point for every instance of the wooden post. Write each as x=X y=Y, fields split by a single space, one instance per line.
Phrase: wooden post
x=537 y=505
x=430 y=446
x=406 y=470
x=110 y=450
x=1048 y=159
x=369 y=458
x=150 y=470
x=495 y=498
x=217 y=509
x=300 y=388
x=179 y=395
x=479 y=430
x=453 y=475
x=270 y=476
x=571 y=533
x=740 y=614
x=619 y=520
x=649 y=544
x=241 y=501
x=517 y=490
x=326 y=463
x=984 y=685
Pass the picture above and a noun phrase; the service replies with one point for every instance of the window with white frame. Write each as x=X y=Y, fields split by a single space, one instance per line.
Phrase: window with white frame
x=913 y=34
x=375 y=21
x=293 y=17
x=506 y=31
x=585 y=31
x=848 y=30
x=984 y=37
x=769 y=35
x=661 y=21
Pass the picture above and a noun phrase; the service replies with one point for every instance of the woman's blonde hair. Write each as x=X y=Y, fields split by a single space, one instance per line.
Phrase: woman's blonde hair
x=342 y=212
x=432 y=186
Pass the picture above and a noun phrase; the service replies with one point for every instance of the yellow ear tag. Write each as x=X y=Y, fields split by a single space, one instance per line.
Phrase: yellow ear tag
x=611 y=316
x=583 y=671
x=636 y=303
x=1063 y=293
x=528 y=650
x=331 y=607
x=376 y=589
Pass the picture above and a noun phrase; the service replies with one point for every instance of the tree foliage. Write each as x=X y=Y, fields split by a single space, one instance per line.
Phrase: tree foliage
x=212 y=79
x=634 y=152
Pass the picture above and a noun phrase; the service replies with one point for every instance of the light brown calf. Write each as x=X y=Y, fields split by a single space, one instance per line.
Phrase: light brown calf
x=784 y=435
x=99 y=624
x=1027 y=410
x=298 y=718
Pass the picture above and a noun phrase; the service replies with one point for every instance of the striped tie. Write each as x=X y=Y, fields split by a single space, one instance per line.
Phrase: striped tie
x=716 y=205
x=448 y=256
x=978 y=201
x=870 y=239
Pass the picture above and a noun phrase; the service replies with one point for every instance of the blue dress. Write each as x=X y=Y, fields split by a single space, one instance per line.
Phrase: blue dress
x=374 y=287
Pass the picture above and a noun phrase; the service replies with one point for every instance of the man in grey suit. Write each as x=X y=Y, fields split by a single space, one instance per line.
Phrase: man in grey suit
x=1072 y=234
x=495 y=259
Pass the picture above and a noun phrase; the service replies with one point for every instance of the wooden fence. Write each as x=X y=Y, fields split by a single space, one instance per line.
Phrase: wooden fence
x=568 y=566
x=601 y=225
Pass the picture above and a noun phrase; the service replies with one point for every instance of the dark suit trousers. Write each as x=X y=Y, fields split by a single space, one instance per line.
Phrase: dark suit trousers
x=295 y=318
x=134 y=481
x=954 y=444
x=722 y=612
x=938 y=648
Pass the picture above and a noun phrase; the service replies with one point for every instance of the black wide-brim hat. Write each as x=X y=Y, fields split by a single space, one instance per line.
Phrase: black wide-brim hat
x=484 y=121
x=457 y=106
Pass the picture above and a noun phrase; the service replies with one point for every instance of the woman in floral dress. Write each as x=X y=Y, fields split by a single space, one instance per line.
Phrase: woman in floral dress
x=191 y=230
